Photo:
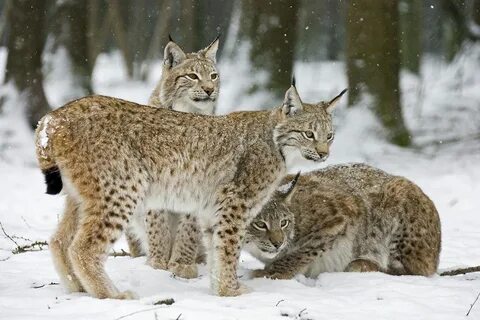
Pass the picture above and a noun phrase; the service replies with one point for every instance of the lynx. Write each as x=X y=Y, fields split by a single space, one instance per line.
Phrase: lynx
x=190 y=83
x=117 y=160
x=346 y=218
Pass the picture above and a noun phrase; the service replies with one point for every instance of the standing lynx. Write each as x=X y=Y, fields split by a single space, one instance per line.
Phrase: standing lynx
x=346 y=218
x=189 y=83
x=117 y=160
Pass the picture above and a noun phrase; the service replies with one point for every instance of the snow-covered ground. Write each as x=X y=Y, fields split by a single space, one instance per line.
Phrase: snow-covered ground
x=442 y=109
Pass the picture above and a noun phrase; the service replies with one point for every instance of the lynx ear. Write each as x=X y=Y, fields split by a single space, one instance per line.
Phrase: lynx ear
x=211 y=50
x=292 y=103
x=173 y=54
x=285 y=191
x=330 y=106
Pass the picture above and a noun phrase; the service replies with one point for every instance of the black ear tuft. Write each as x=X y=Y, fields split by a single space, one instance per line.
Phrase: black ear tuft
x=53 y=179
x=293 y=80
x=170 y=38
x=339 y=95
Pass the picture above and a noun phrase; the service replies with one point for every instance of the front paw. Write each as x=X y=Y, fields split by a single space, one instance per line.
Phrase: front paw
x=157 y=264
x=362 y=265
x=233 y=291
x=126 y=295
x=187 y=271
x=262 y=273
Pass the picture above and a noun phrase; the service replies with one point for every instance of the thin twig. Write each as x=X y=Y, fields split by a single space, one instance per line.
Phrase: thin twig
x=6 y=235
x=178 y=318
x=43 y=285
x=279 y=302
x=455 y=272
x=136 y=312
x=122 y=253
x=34 y=246
x=471 y=306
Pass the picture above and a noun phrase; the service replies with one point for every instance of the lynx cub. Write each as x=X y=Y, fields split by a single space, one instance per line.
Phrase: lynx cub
x=346 y=218
x=189 y=83
x=117 y=160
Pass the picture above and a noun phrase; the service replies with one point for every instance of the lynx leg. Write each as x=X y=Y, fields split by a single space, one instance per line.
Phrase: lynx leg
x=98 y=230
x=159 y=238
x=185 y=248
x=227 y=237
x=60 y=243
x=134 y=245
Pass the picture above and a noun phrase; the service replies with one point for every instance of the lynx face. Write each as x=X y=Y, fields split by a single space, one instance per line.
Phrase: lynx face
x=273 y=228
x=312 y=136
x=190 y=81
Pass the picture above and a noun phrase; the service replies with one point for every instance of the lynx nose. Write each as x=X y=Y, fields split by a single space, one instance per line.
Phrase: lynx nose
x=323 y=155
x=208 y=90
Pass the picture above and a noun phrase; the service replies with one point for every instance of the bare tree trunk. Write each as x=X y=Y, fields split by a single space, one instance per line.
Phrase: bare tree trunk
x=160 y=31
x=373 y=62
x=74 y=36
x=26 y=40
x=476 y=12
x=271 y=27
x=97 y=29
x=411 y=12
x=117 y=22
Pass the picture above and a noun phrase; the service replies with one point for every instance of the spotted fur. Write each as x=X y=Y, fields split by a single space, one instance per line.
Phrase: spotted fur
x=118 y=160
x=348 y=218
x=190 y=83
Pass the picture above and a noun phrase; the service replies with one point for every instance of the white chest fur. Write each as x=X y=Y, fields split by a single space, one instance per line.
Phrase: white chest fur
x=334 y=260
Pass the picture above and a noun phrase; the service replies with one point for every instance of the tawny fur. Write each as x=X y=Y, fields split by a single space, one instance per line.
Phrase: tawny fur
x=189 y=83
x=118 y=160
x=347 y=218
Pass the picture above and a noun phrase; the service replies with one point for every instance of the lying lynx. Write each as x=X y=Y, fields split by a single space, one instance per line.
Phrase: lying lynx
x=189 y=83
x=346 y=218
x=117 y=160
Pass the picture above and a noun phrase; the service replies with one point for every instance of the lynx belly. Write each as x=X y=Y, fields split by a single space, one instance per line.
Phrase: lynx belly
x=334 y=260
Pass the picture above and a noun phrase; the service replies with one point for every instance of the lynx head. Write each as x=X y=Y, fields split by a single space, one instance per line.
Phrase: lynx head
x=273 y=228
x=306 y=127
x=190 y=81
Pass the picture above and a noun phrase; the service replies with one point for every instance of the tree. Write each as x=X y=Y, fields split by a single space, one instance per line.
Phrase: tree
x=271 y=27
x=411 y=33
x=25 y=44
x=373 y=62
x=74 y=37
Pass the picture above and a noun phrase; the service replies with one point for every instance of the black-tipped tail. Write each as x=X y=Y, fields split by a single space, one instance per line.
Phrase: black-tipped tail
x=53 y=179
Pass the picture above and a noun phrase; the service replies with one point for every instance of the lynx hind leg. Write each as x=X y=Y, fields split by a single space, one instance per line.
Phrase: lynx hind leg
x=105 y=214
x=416 y=245
x=223 y=251
x=159 y=238
x=134 y=245
x=59 y=244
x=185 y=248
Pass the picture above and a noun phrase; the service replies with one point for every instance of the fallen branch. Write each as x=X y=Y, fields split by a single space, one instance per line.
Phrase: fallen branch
x=137 y=312
x=456 y=272
x=34 y=246
x=471 y=306
x=122 y=253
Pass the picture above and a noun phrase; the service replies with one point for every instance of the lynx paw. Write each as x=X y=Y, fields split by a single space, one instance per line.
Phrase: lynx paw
x=157 y=264
x=262 y=273
x=187 y=271
x=361 y=265
x=126 y=295
x=230 y=291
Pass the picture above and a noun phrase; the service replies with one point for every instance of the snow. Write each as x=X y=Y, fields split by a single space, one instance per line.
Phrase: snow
x=43 y=133
x=440 y=105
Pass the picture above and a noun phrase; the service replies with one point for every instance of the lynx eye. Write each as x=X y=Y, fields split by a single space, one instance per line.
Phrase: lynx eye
x=308 y=135
x=330 y=136
x=214 y=76
x=192 y=76
x=260 y=225
x=284 y=223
